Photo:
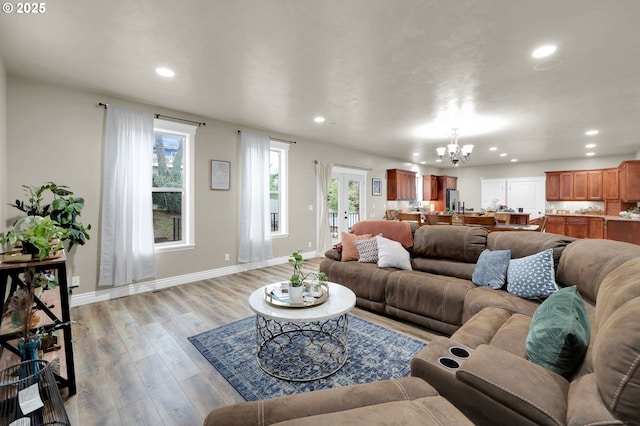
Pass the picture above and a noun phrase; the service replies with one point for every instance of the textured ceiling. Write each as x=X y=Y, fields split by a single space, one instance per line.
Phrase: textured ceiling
x=376 y=69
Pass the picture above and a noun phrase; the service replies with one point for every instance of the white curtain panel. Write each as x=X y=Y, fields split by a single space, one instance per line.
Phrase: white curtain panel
x=323 y=176
x=255 y=228
x=127 y=244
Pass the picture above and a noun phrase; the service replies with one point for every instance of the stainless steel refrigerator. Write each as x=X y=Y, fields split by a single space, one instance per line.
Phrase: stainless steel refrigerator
x=453 y=199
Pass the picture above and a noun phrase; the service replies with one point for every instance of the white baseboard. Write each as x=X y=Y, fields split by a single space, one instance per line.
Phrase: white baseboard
x=162 y=283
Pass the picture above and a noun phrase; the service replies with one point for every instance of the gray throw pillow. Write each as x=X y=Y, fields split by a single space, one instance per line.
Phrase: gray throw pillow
x=367 y=250
x=559 y=332
x=532 y=277
x=491 y=268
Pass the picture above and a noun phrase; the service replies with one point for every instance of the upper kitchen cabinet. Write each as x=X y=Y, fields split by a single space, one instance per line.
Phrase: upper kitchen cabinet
x=579 y=185
x=401 y=185
x=629 y=179
x=429 y=187
x=610 y=185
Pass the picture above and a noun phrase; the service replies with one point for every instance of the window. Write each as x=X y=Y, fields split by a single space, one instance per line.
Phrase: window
x=278 y=188
x=172 y=185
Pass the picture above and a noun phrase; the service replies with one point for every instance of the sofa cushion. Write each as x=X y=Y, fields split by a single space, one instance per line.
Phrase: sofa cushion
x=586 y=262
x=616 y=358
x=367 y=250
x=522 y=243
x=620 y=286
x=480 y=298
x=491 y=269
x=461 y=243
x=349 y=251
x=559 y=333
x=532 y=277
x=391 y=254
x=433 y=296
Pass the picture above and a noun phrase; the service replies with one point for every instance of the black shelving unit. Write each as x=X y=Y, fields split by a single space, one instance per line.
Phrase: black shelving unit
x=10 y=280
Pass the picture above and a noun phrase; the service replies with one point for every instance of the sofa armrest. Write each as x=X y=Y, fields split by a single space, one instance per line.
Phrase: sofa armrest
x=527 y=388
x=333 y=254
x=325 y=401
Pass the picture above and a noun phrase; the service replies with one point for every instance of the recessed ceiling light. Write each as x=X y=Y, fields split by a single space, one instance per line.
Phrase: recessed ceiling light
x=590 y=145
x=165 y=72
x=514 y=160
x=504 y=154
x=544 y=51
x=493 y=148
x=319 y=119
x=591 y=132
x=423 y=162
x=590 y=154
x=415 y=154
x=438 y=161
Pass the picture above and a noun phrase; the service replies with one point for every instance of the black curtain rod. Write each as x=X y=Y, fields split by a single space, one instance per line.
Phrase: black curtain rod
x=275 y=139
x=105 y=106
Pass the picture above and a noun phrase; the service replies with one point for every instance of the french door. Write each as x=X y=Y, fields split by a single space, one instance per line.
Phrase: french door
x=346 y=200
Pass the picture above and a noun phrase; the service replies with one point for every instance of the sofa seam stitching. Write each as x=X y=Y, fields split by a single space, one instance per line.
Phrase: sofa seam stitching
x=261 y=413
x=519 y=396
x=402 y=389
x=623 y=383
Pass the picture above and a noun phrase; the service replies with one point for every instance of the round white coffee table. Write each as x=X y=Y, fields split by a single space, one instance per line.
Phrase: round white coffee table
x=303 y=344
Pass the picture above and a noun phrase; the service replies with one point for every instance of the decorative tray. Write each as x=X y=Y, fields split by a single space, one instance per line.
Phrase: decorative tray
x=278 y=295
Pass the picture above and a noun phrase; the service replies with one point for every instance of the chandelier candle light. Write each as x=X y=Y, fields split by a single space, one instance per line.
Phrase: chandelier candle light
x=456 y=153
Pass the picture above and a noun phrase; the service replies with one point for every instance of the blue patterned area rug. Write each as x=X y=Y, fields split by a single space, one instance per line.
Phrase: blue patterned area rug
x=375 y=353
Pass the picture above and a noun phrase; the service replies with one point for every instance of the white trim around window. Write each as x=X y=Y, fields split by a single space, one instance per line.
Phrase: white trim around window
x=187 y=240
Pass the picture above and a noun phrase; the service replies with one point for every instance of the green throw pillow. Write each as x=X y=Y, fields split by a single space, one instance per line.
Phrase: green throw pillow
x=559 y=333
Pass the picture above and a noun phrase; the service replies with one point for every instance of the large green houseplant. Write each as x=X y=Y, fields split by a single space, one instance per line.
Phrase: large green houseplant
x=64 y=210
x=38 y=235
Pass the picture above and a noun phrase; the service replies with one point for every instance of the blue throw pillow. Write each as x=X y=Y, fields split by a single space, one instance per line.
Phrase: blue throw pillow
x=559 y=332
x=491 y=268
x=532 y=277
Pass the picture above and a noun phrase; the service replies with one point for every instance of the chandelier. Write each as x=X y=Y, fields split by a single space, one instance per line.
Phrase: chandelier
x=455 y=151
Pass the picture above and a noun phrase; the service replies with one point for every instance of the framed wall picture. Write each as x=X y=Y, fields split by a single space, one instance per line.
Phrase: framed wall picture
x=376 y=186
x=220 y=175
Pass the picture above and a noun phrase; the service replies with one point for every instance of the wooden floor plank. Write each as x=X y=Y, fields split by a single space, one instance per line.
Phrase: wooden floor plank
x=134 y=364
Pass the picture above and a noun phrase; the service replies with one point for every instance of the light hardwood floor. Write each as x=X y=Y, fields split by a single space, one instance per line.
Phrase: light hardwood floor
x=135 y=366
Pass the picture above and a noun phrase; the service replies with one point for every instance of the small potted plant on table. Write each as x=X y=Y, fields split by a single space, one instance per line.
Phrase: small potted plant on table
x=297 y=280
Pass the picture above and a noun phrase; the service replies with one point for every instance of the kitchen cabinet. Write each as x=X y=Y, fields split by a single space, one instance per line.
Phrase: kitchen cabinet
x=401 y=185
x=578 y=185
x=566 y=185
x=610 y=186
x=571 y=226
x=429 y=187
x=596 y=228
x=438 y=185
x=553 y=186
x=629 y=180
x=580 y=190
x=623 y=230
x=555 y=225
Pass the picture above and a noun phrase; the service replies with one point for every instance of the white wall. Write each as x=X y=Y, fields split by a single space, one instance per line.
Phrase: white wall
x=56 y=134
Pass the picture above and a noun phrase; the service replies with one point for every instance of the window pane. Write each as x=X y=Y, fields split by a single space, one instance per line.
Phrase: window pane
x=167 y=216
x=168 y=161
x=274 y=187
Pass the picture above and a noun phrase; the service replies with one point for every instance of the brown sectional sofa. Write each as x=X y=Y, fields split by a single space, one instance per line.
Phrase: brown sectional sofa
x=494 y=382
x=438 y=293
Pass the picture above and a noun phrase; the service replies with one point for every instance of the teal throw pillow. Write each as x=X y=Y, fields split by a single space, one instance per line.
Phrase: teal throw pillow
x=559 y=332
x=491 y=268
x=532 y=277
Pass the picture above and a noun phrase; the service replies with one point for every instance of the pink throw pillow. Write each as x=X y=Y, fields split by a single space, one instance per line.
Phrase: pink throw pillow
x=349 y=250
